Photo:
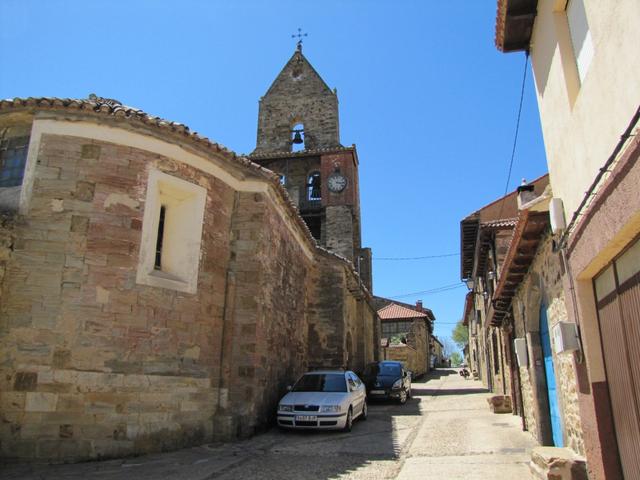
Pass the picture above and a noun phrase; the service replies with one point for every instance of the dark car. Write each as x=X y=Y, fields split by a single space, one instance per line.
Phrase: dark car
x=387 y=380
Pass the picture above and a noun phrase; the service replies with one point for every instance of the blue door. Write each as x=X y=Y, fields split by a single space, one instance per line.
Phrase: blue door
x=554 y=408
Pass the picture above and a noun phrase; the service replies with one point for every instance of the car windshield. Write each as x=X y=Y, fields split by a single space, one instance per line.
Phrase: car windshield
x=383 y=369
x=321 y=382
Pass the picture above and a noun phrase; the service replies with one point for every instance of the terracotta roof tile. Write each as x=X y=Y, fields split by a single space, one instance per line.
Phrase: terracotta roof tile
x=393 y=311
x=301 y=153
x=506 y=222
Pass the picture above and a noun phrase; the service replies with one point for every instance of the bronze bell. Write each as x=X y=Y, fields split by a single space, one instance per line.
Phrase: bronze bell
x=297 y=138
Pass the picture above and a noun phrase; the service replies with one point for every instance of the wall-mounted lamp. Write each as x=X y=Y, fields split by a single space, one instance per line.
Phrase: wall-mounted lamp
x=469 y=282
x=491 y=274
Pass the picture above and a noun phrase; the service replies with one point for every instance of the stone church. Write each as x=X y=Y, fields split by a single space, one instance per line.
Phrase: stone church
x=299 y=138
x=159 y=291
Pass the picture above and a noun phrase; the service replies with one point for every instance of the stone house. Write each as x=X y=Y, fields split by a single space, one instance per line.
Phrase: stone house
x=526 y=302
x=408 y=333
x=157 y=290
x=529 y=300
x=437 y=358
x=472 y=357
x=587 y=73
x=485 y=239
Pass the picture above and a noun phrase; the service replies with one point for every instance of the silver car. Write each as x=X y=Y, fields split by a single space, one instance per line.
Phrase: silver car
x=325 y=399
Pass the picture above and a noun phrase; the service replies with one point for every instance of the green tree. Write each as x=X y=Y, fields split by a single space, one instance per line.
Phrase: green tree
x=460 y=335
x=456 y=359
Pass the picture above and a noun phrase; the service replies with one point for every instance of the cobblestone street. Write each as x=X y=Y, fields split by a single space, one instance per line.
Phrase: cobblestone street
x=444 y=432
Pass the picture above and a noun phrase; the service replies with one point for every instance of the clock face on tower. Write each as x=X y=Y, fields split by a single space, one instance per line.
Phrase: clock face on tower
x=336 y=182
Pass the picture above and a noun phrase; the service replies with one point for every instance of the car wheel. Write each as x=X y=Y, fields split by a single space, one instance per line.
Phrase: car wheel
x=403 y=397
x=365 y=411
x=348 y=425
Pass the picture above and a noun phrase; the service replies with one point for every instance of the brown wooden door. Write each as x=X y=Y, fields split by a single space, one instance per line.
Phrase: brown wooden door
x=618 y=300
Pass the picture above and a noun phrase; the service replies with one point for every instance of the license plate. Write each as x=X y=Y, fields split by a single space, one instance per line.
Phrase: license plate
x=377 y=392
x=306 y=418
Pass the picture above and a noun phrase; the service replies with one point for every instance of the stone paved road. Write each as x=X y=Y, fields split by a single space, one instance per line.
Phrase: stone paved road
x=444 y=432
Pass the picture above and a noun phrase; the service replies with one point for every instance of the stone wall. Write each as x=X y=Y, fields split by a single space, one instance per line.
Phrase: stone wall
x=298 y=95
x=339 y=235
x=543 y=285
x=93 y=364
x=415 y=354
x=296 y=172
x=266 y=342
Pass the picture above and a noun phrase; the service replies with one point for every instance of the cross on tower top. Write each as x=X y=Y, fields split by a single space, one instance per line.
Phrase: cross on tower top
x=299 y=35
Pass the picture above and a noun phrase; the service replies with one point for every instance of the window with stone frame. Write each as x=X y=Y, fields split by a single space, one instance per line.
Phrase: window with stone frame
x=13 y=158
x=171 y=233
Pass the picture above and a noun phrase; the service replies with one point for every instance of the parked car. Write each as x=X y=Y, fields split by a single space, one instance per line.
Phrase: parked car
x=387 y=380
x=327 y=399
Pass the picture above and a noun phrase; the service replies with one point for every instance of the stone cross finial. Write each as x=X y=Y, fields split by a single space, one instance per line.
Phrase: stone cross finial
x=299 y=35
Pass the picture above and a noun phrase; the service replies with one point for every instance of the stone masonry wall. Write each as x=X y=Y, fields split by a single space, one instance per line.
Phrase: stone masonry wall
x=296 y=170
x=415 y=353
x=298 y=95
x=543 y=284
x=93 y=364
x=339 y=235
x=326 y=317
x=268 y=337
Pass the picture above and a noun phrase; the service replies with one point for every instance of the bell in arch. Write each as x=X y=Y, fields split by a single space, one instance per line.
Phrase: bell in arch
x=297 y=137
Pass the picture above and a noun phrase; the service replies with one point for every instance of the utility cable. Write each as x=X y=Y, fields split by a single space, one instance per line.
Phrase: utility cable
x=416 y=258
x=443 y=288
x=515 y=137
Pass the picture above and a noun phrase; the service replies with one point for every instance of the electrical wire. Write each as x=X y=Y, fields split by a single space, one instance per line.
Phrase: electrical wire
x=416 y=258
x=443 y=288
x=515 y=137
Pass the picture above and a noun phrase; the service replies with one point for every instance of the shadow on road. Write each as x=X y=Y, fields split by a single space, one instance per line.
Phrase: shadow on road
x=371 y=449
x=453 y=391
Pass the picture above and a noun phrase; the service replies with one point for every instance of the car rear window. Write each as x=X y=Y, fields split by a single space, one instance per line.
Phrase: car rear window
x=321 y=382
x=384 y=369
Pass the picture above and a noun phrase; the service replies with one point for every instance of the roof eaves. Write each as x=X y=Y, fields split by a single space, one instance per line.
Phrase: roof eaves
x=528 y=233
x=114 y=109
x=514 y=24
x=302 y=153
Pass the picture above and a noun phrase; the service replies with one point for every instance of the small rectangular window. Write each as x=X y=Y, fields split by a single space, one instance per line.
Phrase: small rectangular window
x=159 y=240
x=13 y=158
x=171 y=236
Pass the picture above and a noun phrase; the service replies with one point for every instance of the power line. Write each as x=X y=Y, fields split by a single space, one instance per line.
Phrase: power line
x=515 y=137
x=443 y=288
x=416 y=258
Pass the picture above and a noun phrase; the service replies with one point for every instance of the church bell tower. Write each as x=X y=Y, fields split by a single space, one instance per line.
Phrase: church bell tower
x=299 y=138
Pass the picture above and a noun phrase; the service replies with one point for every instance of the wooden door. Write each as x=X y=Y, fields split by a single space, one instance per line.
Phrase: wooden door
x=617 y=291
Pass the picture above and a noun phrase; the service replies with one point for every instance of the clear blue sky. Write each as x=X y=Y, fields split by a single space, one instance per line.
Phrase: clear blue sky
x=424 y=94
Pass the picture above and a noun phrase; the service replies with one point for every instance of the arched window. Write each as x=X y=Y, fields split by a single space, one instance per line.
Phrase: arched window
x=313 y=187
x=297 y=137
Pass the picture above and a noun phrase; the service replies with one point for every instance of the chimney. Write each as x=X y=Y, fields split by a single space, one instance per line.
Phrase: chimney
x=525 y=193
x=419 y=305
